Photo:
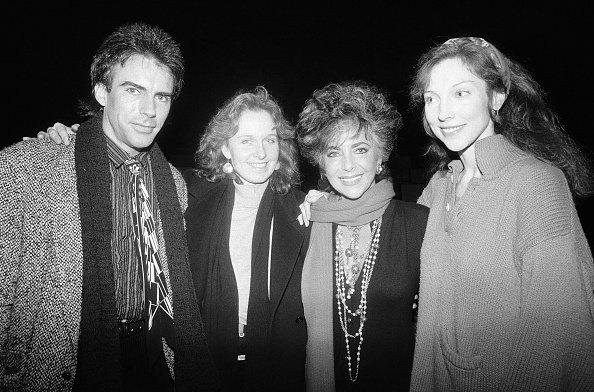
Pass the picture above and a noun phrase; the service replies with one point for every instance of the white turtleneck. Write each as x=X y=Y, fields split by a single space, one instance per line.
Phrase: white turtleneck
x=243 y=220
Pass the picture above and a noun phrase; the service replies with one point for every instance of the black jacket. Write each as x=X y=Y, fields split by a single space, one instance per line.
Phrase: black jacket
x=275 y=355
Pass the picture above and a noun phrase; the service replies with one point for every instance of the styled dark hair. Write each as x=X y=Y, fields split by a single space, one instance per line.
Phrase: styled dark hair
x=363 y=104
x=525 y=118
x=128 y=40
x=209 y=156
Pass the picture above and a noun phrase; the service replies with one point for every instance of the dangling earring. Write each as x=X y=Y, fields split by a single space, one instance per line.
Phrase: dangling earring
x=379 y=169
x=228 y=167
x=322 y=176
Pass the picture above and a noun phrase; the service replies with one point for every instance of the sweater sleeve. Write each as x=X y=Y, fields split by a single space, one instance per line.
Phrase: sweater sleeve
x=554 y=342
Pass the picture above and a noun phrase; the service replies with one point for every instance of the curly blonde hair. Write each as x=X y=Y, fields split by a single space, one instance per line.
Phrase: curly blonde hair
x=209 y=157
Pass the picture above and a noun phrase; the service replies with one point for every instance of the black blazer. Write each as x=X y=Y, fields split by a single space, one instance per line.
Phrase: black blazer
x=276 y=348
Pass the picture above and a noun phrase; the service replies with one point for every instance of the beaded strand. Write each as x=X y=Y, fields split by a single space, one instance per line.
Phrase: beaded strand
x=342 y=295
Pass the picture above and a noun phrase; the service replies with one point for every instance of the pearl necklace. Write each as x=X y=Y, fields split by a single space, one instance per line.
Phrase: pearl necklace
x=343 y=275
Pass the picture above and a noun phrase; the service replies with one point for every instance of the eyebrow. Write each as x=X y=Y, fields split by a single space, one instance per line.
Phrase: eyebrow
x=128 y=83
x=454 y=85
x=362 y=142
x=251 y=136
x=464 y=81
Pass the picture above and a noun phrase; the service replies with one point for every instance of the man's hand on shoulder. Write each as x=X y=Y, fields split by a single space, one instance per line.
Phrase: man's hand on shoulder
x=59 y=133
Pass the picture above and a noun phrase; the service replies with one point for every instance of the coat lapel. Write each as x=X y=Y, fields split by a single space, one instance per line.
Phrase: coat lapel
x=287 y=242
x=98 y=355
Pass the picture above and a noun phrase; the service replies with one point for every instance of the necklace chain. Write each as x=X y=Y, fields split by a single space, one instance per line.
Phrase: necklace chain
x=353 y=260
x=344 y=276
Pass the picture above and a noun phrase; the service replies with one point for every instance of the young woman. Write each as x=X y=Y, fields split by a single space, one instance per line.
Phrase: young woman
x=361 y=271
x=245 y=245
x=506 y=292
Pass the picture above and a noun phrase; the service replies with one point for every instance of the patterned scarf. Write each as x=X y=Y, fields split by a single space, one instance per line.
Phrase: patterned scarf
x=158 y=310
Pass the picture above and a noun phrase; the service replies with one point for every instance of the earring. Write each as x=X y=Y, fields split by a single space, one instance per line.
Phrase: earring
x=228 y=167
x=379 y=169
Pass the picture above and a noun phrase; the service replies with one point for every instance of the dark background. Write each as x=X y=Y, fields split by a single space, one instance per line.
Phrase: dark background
x=293 y=48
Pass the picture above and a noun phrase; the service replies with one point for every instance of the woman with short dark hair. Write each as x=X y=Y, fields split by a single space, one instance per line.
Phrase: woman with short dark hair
x=361 y=273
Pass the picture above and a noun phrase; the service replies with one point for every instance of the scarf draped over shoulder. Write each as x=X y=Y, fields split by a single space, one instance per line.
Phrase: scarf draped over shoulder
x=317 y=284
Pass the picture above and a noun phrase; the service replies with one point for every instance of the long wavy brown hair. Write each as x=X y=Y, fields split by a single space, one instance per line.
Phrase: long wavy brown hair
x=525 y=118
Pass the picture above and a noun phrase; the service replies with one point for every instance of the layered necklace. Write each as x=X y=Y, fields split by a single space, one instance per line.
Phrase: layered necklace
x=349 y=263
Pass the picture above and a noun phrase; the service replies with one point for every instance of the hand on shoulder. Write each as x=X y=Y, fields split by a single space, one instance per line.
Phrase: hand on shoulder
x=58 y=133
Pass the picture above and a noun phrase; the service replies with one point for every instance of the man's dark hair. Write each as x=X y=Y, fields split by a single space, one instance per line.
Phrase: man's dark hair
x=129 y=40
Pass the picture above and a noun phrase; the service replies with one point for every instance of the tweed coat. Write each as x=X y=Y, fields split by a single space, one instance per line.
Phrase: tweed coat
x=41 y=262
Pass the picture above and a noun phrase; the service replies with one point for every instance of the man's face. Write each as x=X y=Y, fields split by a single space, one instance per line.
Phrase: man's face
x=138 y=103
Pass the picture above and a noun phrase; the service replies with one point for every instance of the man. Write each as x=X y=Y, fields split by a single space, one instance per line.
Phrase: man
x=95 y=286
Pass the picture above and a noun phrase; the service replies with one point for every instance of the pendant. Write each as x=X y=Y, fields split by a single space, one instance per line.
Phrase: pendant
x=348 y=252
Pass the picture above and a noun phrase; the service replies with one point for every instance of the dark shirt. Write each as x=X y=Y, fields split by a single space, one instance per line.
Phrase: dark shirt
x=129 y=286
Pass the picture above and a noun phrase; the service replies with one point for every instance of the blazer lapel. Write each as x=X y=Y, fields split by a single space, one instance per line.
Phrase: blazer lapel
x=287 y=241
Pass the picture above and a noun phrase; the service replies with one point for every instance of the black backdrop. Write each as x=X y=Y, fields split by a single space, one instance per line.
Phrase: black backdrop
x=291 y=48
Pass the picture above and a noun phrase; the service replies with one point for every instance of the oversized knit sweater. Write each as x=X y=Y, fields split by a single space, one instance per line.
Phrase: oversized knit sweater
x=506 y=291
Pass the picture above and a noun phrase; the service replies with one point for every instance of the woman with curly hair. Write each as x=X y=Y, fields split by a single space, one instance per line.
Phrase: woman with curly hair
x=246 y=247
x=361 y=272
x=506 y=292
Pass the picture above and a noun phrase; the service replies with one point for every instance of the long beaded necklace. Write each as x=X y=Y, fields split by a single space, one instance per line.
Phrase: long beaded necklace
x=353 y=260
x=343 y=273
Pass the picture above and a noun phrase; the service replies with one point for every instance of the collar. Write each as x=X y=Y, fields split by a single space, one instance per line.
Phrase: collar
x=118 y=156
x=493 y=153
x=249 y=195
